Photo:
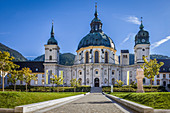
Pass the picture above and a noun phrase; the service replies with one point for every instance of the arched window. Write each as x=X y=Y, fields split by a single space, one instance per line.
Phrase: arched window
x=96 y=57
x=106 y=57
x=87 y=80
x=50 y=57
x=87 y=57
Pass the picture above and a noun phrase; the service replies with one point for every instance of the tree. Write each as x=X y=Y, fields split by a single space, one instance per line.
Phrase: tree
x=6 y=65
x=57 y=80
x=151 y=68
x=14 y=77
x=74 y=83
x=120 y=83
x=27 y=76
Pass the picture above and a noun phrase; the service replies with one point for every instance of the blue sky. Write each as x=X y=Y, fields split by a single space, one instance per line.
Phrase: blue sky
x=25 y=24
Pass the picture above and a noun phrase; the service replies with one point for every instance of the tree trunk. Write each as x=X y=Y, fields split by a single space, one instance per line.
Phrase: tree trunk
x=151 y=85
x=2 y=82
x=57 y=89
x=26 y=86
x=14 y=86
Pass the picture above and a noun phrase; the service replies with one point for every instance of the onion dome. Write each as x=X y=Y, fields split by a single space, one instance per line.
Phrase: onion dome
x=96 y=37
x=52 y=40
x=142 y=37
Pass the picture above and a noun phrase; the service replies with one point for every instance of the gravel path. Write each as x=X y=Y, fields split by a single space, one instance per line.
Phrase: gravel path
x=92 y=103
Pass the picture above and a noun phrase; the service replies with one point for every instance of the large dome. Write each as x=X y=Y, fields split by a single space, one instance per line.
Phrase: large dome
x=96 y=39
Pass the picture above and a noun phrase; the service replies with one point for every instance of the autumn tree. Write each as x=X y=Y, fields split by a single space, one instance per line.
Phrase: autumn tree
x=151 y=68
x=13 y=77
x=27 y=76
x=6 y=65
x=120 y=83
x=57 y=80
x=75 y=83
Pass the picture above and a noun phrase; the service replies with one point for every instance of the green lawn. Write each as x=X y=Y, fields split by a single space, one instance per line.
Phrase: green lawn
x=12 y=99
x=156 y=100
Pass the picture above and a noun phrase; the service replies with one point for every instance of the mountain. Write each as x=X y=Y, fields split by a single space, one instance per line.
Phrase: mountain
x=64 y=59
x=156 y=56
x=18 y=56
x=153 y=56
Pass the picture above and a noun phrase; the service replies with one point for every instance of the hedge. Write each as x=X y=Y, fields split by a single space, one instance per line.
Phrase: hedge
x=48 y=89
x=131 y=89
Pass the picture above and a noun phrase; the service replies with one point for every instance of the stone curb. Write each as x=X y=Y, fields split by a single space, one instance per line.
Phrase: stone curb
x=161 y=111
x=135 y=106
x=6 y=110
x=41 y=105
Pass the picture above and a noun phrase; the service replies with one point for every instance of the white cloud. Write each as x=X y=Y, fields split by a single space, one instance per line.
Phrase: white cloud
x=133 y=20
x=156 y=44
x=130 y=35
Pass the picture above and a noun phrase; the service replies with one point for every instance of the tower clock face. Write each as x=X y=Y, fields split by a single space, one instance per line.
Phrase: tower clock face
x=143 y=40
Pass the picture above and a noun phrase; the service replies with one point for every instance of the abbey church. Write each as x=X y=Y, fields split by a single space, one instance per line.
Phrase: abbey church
x=96 y=63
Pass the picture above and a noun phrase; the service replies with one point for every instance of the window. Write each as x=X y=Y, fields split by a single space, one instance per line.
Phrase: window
x=96 y=57
x=105 y=72
x=87 y=80
x=96 y=27
x=164 y=75
x=143 y=49
x=124 y=56
x=106 y=57
x=97 y=72
x=158 y=82
x=163 y=69
x=87 y=57
x=87 y=72
x=130 y=81
x=36 y=82
x=50 y=57
x=80 y=73
x=50 y=49
x=43 y=82
x=158 y=76
x=105 y=80
x=42 y=75
x=21 y=82
x=113 y=72
x=130 y=74
x=144 y=81
x=36 y=69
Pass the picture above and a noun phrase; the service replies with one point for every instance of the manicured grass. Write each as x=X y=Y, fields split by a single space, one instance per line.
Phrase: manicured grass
x=156 y=100
x=12 y=99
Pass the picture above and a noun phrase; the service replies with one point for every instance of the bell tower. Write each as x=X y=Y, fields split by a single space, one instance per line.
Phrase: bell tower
x=52 y=49
x=142 y=45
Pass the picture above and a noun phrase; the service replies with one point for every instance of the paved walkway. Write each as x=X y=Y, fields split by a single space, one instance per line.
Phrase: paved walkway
x=92 y=103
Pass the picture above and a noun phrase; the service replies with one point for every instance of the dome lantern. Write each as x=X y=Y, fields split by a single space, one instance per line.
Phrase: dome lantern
x=96 y=25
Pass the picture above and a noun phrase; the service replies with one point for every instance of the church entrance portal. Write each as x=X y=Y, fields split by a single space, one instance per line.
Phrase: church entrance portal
x=96 y=82
x=164 y=83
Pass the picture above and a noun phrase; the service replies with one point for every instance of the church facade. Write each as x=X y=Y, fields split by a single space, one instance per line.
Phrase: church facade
x=96 y=63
